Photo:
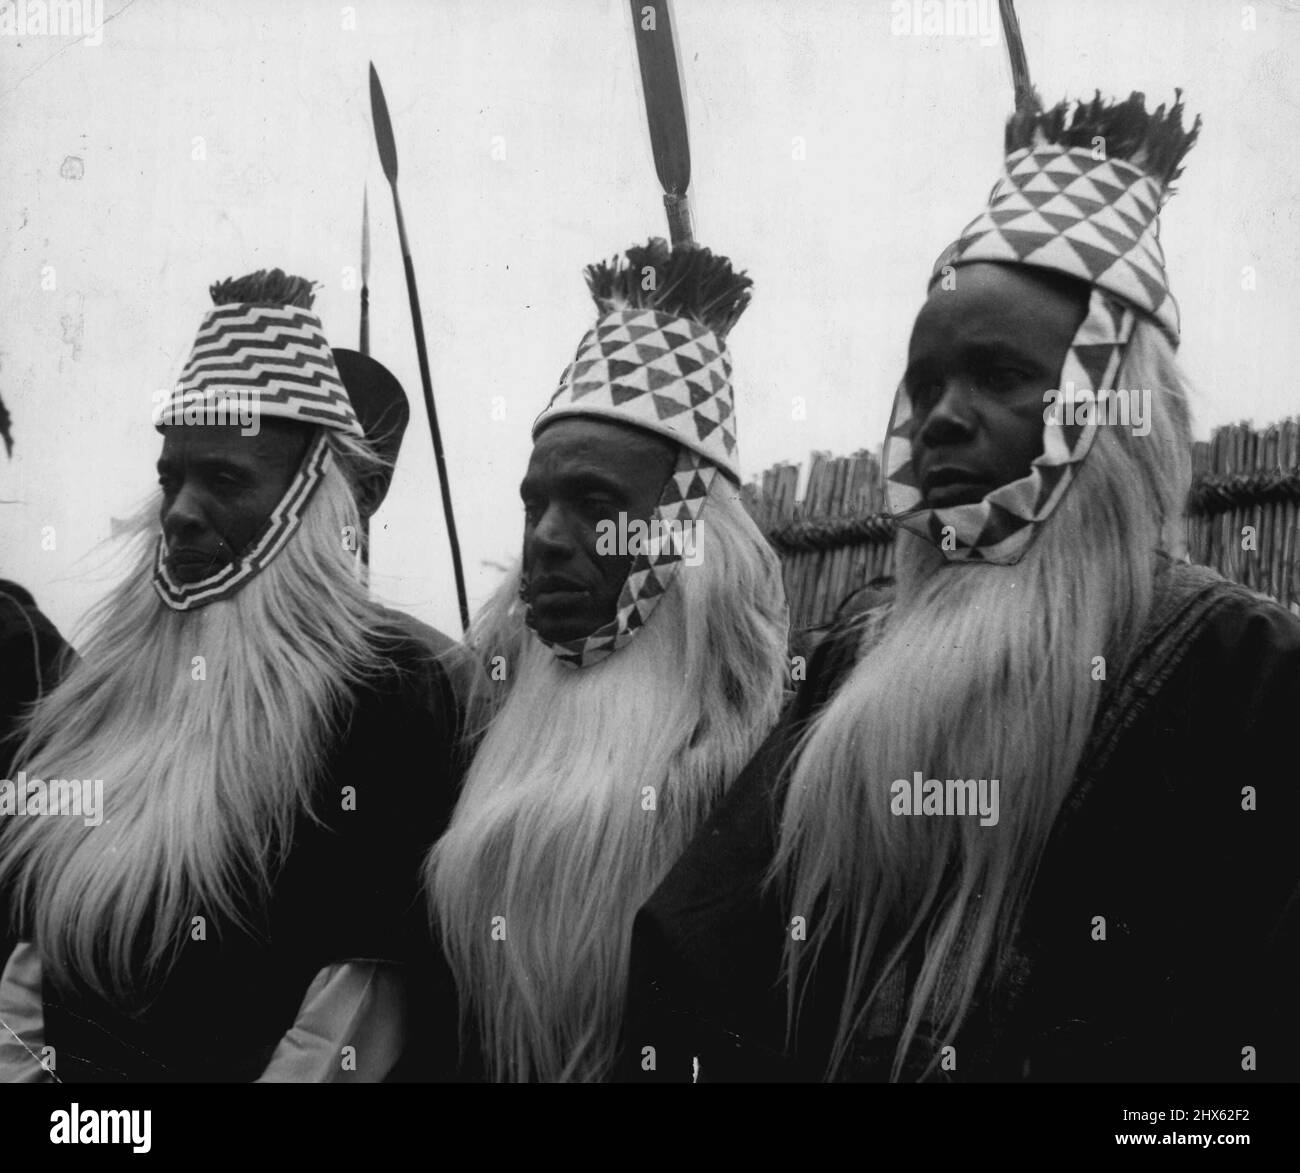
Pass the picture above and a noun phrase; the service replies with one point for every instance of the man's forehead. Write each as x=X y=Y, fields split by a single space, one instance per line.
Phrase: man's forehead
x=230 y=441
x=593 y=447
x=999 y=306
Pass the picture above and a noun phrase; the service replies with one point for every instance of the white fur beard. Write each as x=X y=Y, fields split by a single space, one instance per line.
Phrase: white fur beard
x=981 y=672
x=583 y=793
x=207 y=729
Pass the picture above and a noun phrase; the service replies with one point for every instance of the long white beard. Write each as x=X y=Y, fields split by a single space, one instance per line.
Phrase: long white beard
x=981 y=672
x=207 y=728
x=585 y=790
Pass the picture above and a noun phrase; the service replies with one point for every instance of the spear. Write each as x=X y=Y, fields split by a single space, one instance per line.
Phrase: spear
x=388 y=158
x=661 y=87
x=363 y=344
x=1016 y=52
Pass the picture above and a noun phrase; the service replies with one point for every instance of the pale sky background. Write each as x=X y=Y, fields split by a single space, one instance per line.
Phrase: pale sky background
x=832 y=159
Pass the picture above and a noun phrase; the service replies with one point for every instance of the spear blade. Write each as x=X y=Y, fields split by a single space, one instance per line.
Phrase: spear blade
x=665 y=106
x=383 y=128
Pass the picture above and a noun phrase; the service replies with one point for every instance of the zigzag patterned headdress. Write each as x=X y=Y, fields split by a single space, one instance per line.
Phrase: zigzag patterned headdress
x=1081 y=200
x=656 y=360
x=260 y=349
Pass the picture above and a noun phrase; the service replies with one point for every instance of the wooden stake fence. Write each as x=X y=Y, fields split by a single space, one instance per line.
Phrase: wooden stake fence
x=838 y=536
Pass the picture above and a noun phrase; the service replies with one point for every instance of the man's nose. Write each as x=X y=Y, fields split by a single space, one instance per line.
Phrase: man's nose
x=552 y=535
x=182 y=519
x=952 y=418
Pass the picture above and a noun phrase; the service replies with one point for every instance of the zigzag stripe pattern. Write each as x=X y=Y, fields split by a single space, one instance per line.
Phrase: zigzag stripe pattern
x=283 y=523
x=274 y=357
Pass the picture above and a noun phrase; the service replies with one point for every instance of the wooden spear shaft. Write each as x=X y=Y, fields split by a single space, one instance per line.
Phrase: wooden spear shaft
x=363 y=343
x=1024 y=89
x=363 y=346
x=388 y=157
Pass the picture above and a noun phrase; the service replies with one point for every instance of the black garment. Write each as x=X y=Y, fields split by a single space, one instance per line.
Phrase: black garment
x=33 y=657
x=33 y=654
x=1201 y=898
x=347 y=890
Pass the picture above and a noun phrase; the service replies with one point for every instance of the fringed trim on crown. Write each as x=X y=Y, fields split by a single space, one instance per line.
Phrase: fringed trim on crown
x=1157 y=142
x=275 y=287
x=689 y=282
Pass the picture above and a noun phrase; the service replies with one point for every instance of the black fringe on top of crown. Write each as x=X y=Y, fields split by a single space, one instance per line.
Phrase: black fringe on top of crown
x=689 y=282
x=1156 y=143
x=275 y=287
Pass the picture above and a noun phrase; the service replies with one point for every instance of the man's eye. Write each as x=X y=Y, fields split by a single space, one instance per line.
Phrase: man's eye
x=597 y=509
x=1000 y=378
x=926 y=395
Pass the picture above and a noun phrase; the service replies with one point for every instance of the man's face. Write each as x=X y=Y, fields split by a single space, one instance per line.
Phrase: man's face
x=981 y=359
x=583 y=472
x=219 y=487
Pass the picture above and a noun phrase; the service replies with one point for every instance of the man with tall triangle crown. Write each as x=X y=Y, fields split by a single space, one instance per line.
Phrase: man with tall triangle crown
x=228 y=900
x=1012 y=827
x=633 y=663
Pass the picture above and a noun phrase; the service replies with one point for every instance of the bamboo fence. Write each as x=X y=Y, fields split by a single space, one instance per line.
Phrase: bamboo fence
x=838 y=536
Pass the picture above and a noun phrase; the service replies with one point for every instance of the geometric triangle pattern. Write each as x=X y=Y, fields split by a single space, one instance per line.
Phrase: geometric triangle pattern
x=666 y=374
x=283 y=523
x=652 y=570
x=274 y=358
x=1062 y=208
x=999 y=528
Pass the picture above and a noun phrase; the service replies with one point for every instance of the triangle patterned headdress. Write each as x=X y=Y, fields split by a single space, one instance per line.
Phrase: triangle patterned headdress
x=656 y=359
x=1080 y=195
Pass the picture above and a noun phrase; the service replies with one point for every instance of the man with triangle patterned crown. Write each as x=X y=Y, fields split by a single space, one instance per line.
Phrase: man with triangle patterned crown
x=234 y=904
x=633 y=664
x=1013 y=826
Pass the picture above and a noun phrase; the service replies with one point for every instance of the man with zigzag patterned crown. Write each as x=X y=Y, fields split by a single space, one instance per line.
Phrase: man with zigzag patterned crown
x=1009 y=804
x=636 y=660
x=232 y=906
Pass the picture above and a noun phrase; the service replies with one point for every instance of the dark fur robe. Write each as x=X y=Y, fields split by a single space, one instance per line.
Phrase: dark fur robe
x=1201 y=898
x=349 y=889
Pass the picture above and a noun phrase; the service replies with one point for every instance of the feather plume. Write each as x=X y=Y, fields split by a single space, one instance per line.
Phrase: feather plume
x=689 y=282
x=275 y=287
x=1156 y=142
